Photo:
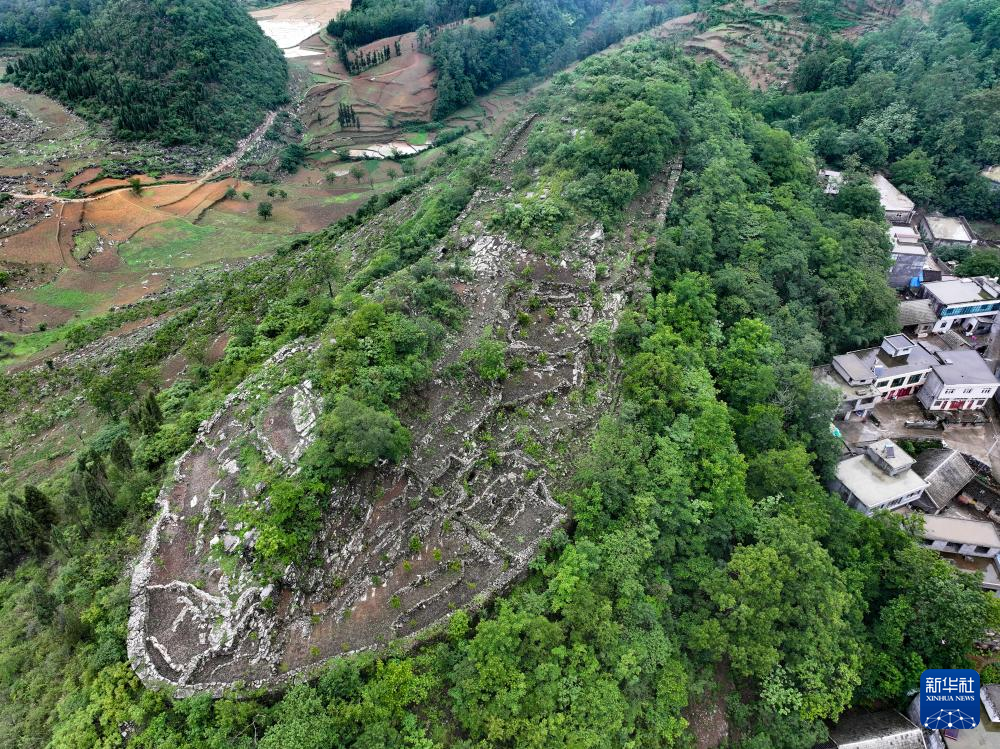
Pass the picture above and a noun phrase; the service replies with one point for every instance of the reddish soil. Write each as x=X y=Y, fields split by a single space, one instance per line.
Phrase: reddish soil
x=19 y=315
x=217 y=349
x=84 y=177
x=111 y=182
x=197 y=200
x=39 y=244
x=401 y=89
x=120 y=214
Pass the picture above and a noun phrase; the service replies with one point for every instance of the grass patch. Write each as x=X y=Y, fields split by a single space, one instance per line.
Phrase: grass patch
x=348 y=197
x=14 y=347
x=84 y=243
x=986 y=230
x=71 y=299
x=416 y=139
x=177 y=243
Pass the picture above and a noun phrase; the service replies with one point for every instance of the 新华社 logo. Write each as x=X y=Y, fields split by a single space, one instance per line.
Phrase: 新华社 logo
x=949 y=698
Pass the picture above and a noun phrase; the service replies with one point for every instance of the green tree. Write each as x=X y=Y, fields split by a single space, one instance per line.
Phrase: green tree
x=360 y=435
x=265 y=210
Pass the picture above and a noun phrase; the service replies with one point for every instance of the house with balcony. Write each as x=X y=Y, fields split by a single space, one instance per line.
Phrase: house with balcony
x=900 y=367
x=898 y=208
x=970 y=303
x=962 y=381
x=882 y=478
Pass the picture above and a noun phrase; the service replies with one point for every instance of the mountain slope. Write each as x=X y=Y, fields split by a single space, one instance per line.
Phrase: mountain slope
x=186 y=71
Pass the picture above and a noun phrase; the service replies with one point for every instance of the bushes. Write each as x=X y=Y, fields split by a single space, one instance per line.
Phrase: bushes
x=487 y=359
x=355 y=435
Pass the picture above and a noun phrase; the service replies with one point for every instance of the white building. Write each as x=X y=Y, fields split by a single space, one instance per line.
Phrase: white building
x=970 y=302
x=962 y=382
x=881 y=479
x=944 y=230
x=969 y=538
x=831 y=181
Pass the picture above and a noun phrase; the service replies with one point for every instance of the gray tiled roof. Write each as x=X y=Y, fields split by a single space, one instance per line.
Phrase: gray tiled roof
x=946 y=473
x=916 y=312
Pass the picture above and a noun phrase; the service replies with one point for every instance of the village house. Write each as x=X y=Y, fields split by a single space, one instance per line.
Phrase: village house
x=967 y=538
x=831 y=181
x=910 y=259
x=898 y=208
x=916 y=317
x=943 y=230
x=946 y=472
x=971 y=302
x=961 y=382
x=960 y=379
x=882 y=478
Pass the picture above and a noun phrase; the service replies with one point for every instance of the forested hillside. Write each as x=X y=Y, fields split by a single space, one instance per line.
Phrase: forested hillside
x=185 y=71
x=918 y=99
x=704 y=548
x=32 y=23
x=532 y=37
x=369 y=20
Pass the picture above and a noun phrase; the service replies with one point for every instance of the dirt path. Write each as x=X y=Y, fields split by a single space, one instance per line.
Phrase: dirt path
x=226 y=164
x=241 y=148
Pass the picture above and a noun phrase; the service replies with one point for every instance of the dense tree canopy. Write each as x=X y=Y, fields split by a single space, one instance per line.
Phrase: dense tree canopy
x=32 y=23
x=918 y=99
x=184 y=71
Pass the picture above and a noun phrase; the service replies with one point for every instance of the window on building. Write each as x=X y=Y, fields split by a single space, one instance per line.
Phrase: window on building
x=913 y=379
x=897 y=382
x=982 y=549
x=881 y=383
x=967 y=390
x=952 y=546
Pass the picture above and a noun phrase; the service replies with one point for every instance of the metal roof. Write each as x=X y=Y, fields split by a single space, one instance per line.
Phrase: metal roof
x=960 y=291
x=916 y=312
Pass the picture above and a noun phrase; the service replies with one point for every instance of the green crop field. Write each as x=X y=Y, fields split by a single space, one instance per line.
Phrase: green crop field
x=180 y=244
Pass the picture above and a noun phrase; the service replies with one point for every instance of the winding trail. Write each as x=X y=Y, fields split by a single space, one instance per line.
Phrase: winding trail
x=226 y=164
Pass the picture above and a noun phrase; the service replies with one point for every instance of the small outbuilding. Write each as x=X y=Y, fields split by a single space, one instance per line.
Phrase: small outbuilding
x=946 y=230
x=946 y=472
